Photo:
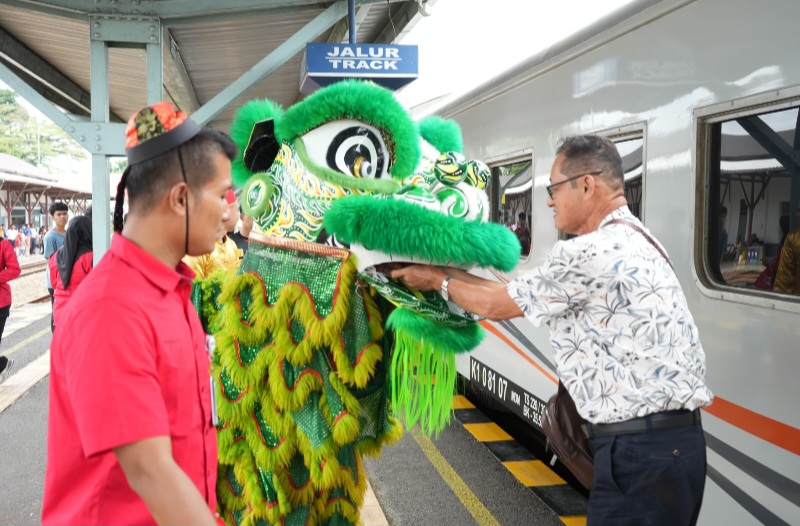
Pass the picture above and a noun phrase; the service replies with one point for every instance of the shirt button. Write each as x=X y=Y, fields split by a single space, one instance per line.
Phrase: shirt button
x=676 y=453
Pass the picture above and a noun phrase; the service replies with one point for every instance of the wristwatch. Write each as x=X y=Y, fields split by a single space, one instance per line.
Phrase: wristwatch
x=443 y=288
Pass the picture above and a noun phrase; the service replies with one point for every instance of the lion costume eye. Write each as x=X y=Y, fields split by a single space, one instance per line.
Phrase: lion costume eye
x=350 y=147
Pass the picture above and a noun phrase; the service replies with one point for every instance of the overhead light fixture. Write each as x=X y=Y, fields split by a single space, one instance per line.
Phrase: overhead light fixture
x=423 y=7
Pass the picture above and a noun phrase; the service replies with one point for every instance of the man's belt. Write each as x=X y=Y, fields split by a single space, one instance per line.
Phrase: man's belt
x=645 y=424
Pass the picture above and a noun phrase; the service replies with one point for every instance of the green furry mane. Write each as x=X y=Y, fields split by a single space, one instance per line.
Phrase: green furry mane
x=421 y=233
x=444 y=135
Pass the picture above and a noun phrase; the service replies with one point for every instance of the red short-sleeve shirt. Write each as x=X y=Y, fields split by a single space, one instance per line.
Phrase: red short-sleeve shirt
x=128 y=362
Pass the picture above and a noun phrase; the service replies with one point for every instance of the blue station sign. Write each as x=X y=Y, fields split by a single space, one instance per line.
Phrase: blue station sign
x=391 y=66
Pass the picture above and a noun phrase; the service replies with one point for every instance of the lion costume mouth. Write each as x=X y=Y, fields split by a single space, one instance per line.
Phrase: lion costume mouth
x=406 y=232
x=388 y=231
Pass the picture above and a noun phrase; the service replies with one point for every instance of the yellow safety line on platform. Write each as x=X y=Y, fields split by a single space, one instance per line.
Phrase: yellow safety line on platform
x=533 y=473
x=487 y=432
x=474 y=506
x=25 y=342
x=460 y=402
x=574 y=520
x=16 y=385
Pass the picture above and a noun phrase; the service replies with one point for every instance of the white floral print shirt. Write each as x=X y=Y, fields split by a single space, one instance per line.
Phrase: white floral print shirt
x=625 y=343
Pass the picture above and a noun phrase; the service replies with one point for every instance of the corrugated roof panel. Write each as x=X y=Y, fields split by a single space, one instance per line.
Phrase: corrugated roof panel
x=218 y=53
x=214 y=53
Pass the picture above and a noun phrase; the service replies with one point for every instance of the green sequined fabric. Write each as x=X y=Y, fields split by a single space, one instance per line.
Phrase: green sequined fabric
x=301 y=386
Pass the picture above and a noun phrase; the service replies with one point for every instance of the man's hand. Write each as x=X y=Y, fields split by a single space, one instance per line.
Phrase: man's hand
x=420 y=277
x=471 y=293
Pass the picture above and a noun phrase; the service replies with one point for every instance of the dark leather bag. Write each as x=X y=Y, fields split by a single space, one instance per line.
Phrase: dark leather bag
x=562 y=426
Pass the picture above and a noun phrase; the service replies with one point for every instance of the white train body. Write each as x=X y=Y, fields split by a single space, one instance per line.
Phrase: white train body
x=667 y=74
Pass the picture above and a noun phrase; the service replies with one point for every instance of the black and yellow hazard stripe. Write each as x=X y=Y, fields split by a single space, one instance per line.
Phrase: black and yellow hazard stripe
x=566 y=501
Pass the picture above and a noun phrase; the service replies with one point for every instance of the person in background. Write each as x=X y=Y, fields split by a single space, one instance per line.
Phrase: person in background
x=626 y=346
x=131 y=436
x=523 y=234
x=9 y=269
x=71 y=263
x=226 y=255
x=42 y=233
x=34 y=241
x=52 y=241
x=723 y=233
x=787 y=278
x=11 y=235
x=21 y=241
x=766 y=280
x=241 y=237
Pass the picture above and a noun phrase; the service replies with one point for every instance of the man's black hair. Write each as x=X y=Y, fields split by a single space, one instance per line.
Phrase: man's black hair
x=592 y=153
x=58 y=206
x=723 y=211
x=147 y=181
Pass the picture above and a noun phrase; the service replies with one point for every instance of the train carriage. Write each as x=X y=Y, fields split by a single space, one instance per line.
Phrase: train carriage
x=702 y=98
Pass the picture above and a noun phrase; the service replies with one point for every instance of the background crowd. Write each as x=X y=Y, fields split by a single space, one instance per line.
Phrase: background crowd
x=25 y=238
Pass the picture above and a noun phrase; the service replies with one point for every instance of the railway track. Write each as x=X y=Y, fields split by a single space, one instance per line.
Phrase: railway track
x=33 y=267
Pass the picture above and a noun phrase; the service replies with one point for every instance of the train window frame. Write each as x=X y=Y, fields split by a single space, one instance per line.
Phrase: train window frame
x=617 y=134
x=630 y=132
x=495 y=162
x=704 y=119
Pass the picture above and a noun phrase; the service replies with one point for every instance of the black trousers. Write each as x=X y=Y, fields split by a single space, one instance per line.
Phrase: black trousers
x=4 y=312
x=654 y=478
x=52 y=299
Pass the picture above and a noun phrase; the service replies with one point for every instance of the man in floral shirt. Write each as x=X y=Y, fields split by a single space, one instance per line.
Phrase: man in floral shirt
x=626 y=346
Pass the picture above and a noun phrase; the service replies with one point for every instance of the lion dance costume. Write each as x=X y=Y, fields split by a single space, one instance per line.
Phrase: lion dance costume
x=316 y=350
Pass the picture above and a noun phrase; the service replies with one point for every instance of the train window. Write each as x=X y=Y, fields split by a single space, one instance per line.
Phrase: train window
x=753 y=188
x=631 y=151
x=512 y=199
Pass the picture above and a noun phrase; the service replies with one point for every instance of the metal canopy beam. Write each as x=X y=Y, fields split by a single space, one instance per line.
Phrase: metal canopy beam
x=34 y=97
x=177 y=83
x=271 y=62
x=51 y=82
x=168 y=10
x=401 y=18
x=46 y=91
x=340 y=31
x=771 y=141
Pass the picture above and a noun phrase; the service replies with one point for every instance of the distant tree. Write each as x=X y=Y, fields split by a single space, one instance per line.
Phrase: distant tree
x=117 y=164
x=23 y=137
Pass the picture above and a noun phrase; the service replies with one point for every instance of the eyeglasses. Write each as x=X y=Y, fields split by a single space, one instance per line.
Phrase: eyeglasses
x=551 y=186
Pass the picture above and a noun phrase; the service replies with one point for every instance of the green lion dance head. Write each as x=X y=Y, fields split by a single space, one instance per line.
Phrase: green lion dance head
x=348 y=166
x=307 y=376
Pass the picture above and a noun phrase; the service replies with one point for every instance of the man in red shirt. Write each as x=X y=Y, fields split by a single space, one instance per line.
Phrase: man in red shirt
x=130 y=432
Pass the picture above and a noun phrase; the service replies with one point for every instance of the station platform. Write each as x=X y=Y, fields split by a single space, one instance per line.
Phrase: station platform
x=473 y=473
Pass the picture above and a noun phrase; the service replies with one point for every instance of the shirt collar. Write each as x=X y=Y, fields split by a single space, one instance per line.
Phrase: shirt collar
x=620 y=213
x=148 y=265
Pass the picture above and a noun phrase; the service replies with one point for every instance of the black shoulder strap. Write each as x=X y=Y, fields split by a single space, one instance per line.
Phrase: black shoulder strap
x=646 y=235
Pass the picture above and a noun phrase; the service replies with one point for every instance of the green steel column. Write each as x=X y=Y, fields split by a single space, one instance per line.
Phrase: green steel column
x=155 y=71
x=101 y=195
